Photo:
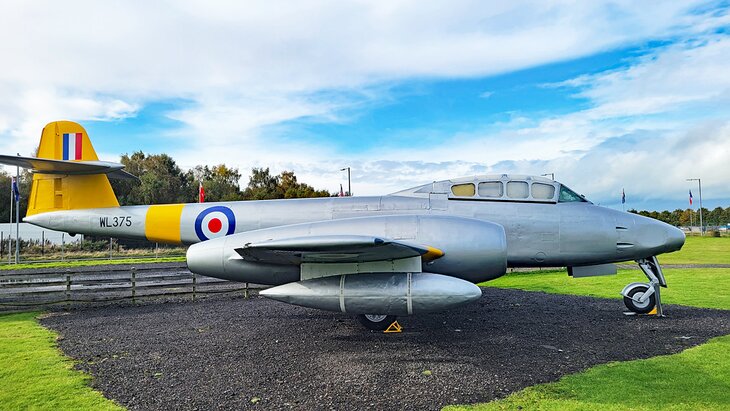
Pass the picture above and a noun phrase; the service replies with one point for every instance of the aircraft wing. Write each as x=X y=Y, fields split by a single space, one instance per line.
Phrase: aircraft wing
x=333 y=249
x=49 y=166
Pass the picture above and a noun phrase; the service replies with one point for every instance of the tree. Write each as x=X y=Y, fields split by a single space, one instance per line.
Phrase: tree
x=290 y=188
x=714 y=217
x=26 y=179
x=263 y=186
x=161 y=181
x=220 y=182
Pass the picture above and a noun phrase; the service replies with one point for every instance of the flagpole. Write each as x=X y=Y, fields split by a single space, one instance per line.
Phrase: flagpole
x=10 y=225
x=699 y=183
x=17 y=217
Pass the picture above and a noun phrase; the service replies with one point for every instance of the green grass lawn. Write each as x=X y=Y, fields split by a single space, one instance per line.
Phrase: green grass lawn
x=86 y=263
x=700 y=250
x=697 y=287
x=35 y=375
x=696 y=379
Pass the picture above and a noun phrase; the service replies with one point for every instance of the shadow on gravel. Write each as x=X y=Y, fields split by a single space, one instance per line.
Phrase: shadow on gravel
x=229 y=352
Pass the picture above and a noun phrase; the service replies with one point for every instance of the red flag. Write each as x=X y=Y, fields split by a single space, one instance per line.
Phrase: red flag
x=201 y=193
x=342 y=193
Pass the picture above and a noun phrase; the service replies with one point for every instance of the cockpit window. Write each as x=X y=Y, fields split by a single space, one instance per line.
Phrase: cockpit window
x=491 y=189
x=542 y=191
x=517 y=189
x=463 y=190
x=567 y=195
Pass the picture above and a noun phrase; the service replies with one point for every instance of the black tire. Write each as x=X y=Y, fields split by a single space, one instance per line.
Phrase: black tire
x=636 y=307
x=376 y=322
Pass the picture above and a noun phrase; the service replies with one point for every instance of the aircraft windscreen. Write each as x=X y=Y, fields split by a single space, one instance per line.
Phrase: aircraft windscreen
x=568 y=196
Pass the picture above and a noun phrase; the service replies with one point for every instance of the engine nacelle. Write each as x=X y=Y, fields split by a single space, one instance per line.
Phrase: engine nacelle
x=474 y=250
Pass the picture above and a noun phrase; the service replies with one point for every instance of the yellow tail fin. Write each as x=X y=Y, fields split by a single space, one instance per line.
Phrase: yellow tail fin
x=66 y=140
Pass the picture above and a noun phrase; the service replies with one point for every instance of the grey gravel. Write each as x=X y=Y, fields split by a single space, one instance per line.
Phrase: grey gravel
x=236 y=353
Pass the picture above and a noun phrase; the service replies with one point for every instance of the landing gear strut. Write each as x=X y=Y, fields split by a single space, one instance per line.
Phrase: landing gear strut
x=641 y=298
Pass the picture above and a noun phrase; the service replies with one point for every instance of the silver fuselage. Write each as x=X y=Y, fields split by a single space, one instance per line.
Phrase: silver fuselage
x=537 y=234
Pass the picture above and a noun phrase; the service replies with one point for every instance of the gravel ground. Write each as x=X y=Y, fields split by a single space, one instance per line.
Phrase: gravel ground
x=235 y=353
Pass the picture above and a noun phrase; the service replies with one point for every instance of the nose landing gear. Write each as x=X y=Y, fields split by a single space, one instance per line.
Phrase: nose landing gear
x=642 y=298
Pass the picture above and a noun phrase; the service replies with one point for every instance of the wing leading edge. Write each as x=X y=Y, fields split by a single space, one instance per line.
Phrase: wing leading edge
x=334 y=249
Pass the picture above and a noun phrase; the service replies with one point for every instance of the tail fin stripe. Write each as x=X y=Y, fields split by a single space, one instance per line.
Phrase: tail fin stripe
x=78 y=146
x=65 y=146
x=72 y=145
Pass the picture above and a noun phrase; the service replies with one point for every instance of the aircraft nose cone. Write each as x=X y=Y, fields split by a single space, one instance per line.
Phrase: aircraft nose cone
x=675 y=239
x=654 y=237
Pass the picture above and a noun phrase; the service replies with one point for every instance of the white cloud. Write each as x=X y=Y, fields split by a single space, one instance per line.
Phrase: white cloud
x=681 y=74
x=245 y=66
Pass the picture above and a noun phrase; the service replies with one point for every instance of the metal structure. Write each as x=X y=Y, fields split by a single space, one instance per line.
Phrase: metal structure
x=349 y=184
x=699 y=184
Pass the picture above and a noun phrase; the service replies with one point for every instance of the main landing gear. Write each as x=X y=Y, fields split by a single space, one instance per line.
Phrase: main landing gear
x=642 y=298
x=376 y=322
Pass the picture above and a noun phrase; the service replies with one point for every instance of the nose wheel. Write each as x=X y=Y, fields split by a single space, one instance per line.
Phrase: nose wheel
x=642 y=298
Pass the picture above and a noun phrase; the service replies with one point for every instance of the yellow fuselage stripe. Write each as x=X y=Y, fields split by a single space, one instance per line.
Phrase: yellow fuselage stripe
x=162 y=223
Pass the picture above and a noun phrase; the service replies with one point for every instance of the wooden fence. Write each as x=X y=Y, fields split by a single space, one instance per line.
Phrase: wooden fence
x=27 y=289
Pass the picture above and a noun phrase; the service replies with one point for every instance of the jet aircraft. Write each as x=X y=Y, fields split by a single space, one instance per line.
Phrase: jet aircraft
x=418 y=250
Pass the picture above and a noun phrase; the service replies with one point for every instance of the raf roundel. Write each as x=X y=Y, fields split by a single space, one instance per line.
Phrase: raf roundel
x=215 y=222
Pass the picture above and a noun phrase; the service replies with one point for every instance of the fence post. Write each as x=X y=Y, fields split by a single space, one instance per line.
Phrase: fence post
x=68 y=289
x=134 y=285
x=195 y=281
x=245 y=291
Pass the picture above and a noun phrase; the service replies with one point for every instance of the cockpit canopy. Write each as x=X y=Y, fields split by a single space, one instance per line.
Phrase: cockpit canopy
x=519 y=188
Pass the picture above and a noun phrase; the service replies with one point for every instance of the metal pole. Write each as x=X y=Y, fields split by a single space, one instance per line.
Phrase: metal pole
x=63 y=246
x=349 y=185
x=43 y=242
x=17 y=217
x=110 y=248
x=10 y=226
x=702 y=225
x=699 y=184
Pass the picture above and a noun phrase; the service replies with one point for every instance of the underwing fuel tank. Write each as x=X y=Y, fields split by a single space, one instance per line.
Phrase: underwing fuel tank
x=378 y=293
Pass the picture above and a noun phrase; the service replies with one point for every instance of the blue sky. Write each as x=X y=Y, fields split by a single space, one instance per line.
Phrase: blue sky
x=606 y=95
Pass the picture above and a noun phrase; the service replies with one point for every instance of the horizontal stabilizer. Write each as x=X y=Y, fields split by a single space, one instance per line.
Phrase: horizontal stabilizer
x=67 y=167
x=333 y=249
